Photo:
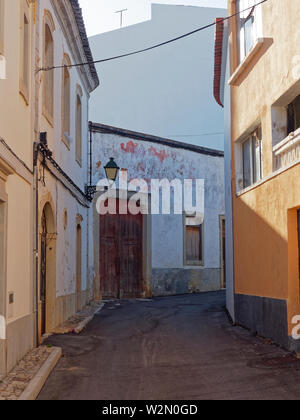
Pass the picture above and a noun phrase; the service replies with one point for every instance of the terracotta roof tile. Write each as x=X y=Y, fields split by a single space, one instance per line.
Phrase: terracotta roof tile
x=84 y=39
x=218 y=59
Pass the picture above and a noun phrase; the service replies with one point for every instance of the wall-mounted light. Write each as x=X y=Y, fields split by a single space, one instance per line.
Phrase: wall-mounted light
x=111 y=170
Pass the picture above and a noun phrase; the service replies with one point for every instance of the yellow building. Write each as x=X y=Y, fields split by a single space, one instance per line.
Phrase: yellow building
x=16 y=181
x=46 y=264
x=265 y=153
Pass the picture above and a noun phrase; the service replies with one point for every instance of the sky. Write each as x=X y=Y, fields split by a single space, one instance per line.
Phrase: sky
x=100 y=16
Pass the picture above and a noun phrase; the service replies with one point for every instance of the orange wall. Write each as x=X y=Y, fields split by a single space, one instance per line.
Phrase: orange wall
x=265 y=229
x=266 y=243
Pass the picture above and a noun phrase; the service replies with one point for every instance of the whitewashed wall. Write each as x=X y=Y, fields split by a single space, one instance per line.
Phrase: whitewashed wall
x=62 y=198
x=147 y=161
x=228 y=196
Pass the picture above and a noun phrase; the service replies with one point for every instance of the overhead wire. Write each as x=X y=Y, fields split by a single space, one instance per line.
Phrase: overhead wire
x=153 y=46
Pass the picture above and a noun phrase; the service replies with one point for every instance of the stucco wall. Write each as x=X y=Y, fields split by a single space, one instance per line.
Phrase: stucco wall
x=15 y=115
x=167 y=91
x=148 y=161
x=64 y=157
x=16 y=192
x=265 y=229
x=61 y=198
x=228 y=196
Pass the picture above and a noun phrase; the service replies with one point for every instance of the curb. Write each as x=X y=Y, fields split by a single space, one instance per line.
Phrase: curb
x=80 y=327
x=37 y=382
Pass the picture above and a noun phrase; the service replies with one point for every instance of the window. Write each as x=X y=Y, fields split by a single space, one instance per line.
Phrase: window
x=247 y=26
x=194 y=254
x=26 y=52
x=78 y=129
x=1 y=27
x=66 y=91
x=251 y=157
x=293 y=116
x=25 y=56
x=286 y=117
x=48 y=75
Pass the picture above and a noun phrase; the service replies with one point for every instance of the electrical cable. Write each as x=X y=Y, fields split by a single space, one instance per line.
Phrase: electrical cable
x=152 y=47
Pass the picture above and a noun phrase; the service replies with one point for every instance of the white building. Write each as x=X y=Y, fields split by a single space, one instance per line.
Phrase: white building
x=65 y=266
x=222 y=97
x=166 y=91
x=158 y=254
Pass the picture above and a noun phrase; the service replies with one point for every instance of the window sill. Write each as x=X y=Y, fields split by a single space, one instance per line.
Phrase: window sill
x=268 y=178
x=24 y=92
x=247 y=60
x=48 y=117
x=287 y=151
x=67 y=141
x=250 y=188
x=194 y=267
x=195 y=264
x=291 y=139
x=79 y=161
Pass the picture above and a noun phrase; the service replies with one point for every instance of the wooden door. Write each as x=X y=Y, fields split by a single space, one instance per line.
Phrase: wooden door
x=43 y=272
x=131 y=256
x=109 y=262
x=121 y=256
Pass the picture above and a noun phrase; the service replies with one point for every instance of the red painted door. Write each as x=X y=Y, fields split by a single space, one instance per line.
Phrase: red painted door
x=121 y=257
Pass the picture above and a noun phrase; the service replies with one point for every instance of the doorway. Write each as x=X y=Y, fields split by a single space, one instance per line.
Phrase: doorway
x=121 y=256
x=43 y=281
x=78 y=268
x=2 y=288
x=223 y=251
x=47 y=271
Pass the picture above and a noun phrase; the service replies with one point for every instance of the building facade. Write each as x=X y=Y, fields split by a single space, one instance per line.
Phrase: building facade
x=165 y=92
x=46 y=270
x=166 y=252
x=65 y=265
x=264 y=81
x=16 y=181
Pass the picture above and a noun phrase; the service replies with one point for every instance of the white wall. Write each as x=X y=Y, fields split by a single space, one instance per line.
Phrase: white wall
x=167 y=91
x=62 y=198
x=64 y=156
x=146 y=160
x=228 y=202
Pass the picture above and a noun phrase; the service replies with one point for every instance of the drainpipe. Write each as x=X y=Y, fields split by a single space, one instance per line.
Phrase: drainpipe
x=36 y=251
x=88 y=213
x=36 y=57
x=91 y=152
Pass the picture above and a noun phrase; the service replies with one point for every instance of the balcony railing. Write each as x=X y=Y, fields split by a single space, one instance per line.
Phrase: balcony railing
x=287 y=151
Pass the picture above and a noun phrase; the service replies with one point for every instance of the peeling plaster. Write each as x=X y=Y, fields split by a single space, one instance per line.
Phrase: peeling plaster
x=130 y=147
x=161 y=155
x=147 y=161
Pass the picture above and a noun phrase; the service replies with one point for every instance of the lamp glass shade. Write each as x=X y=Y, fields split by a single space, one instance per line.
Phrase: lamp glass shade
x=111 y=170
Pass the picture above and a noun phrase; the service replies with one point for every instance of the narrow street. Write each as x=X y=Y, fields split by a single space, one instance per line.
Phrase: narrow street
x=181 y=347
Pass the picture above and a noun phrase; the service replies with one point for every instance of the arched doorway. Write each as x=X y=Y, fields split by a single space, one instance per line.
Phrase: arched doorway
x=47 y=284
x=43 y=279
x=78 y=267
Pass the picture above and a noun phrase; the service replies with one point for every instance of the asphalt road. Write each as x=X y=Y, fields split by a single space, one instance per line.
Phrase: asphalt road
x=174 y=348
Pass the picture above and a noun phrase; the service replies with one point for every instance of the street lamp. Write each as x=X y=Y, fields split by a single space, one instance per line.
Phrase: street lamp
x=111 y=170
